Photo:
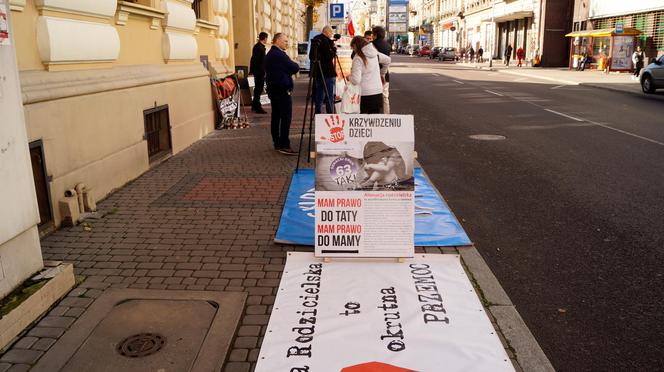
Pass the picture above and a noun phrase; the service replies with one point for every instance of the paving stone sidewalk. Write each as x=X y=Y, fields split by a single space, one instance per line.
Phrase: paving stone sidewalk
x=204 y=219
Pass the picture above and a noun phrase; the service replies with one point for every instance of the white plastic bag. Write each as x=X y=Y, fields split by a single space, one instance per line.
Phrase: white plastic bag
x=350 y=101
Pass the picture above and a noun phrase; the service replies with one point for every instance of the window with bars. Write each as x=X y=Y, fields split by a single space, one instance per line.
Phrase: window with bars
x=650 y=24
x=157 y=132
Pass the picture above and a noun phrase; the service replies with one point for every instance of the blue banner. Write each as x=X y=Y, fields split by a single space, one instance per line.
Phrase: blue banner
x=435 y=225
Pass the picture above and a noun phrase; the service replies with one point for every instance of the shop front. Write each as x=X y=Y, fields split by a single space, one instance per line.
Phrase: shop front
x=607 y=49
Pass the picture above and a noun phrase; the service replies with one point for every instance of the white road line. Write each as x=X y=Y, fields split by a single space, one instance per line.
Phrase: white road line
x=520 y=79
x=628 y=133
x=492 y=92
x=558 y=86
x=565 y=115
x=457 y=81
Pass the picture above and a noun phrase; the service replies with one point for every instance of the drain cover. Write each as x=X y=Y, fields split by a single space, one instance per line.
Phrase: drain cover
x=487 y=137
x=141 y=345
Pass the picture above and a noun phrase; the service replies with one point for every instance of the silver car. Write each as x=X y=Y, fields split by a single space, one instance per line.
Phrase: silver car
x=652 y=76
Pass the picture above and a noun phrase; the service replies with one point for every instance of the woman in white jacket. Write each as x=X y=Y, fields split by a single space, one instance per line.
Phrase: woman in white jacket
x=367 y=75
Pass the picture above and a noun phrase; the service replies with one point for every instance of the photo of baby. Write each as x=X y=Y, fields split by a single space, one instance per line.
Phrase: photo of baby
x=365 y=166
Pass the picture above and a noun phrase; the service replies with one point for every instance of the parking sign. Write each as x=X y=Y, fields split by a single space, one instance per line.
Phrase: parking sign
x=337 y=11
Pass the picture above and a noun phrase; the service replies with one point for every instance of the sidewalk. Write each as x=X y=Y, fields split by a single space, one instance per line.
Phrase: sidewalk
x=621 y=82
x=204 y=220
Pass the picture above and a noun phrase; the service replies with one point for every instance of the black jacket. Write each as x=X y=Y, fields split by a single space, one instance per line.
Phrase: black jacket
x=279 y=69
x=257 y=63
x=326 y=53
x=383 y=47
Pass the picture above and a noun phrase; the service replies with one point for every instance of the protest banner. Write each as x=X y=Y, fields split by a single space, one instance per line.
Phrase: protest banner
x=364 y=185
x=348 y=315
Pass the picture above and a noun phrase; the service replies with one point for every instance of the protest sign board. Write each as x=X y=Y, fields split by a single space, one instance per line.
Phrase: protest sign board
x=420 y=315
x=364 y=185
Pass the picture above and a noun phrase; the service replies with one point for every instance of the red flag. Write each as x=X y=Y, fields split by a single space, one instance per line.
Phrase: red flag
x=351 y=29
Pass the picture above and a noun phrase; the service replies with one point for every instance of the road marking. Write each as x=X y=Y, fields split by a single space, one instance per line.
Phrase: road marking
x=457 y=81
x=628 y=133
x=558 y=86
x=565 y=115
x=520 y=79
x=492 y=92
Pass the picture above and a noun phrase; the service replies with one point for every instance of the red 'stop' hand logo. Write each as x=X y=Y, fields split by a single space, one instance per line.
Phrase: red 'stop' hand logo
x=336 y=125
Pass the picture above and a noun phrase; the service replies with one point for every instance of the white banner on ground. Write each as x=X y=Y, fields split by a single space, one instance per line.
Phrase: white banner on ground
x=364 y=185
x=419 y=315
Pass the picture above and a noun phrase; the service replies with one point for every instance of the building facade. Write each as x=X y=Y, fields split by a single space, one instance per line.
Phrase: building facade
x=647 y=16
x=111 y=87
x=537 y=26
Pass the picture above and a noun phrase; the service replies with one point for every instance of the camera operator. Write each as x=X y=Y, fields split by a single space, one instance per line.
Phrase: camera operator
x=323 y=72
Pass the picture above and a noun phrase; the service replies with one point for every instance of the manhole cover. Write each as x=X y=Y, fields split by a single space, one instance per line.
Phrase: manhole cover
x=141 y=345
x=487 y=137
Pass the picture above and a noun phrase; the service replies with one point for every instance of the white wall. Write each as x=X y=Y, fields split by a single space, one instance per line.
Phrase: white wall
x=20 y=253
x=609 y=8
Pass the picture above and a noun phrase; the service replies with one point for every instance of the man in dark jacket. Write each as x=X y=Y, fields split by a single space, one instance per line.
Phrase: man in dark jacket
x=325 y=77
x=279 y=69
x=257 y=68
x=383 y=47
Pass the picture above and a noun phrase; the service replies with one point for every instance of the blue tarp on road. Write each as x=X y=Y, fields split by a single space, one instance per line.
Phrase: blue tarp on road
x=435 y=225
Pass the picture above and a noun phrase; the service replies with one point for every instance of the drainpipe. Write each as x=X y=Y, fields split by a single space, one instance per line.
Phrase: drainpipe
x=80 y=189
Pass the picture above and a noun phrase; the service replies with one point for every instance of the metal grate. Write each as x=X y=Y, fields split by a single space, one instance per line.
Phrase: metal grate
x=650 y=24
x=157 y=131
x=141 y=345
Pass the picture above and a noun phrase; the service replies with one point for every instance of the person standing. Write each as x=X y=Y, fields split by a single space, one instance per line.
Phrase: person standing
x=279 y=69
x=383 y=47
x=520 y=53
x=325 y=77
x=257 y=68
x=366 y=74
x=480 y=52
x=638 y=59
x=508 y=54
x=471 y=53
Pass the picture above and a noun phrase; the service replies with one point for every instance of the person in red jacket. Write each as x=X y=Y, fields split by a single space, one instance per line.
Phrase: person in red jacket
x=520 y=55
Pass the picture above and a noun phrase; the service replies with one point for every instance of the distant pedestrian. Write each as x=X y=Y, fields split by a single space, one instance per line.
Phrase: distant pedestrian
x=368 y=36
x=480 y=53
x=508 y=54
x=383 y=47
x=257 y=68
x=471 y=53
x=366 y=74
x=583 y=61
x=520 y=54
x=638 y=59
x=279 y=69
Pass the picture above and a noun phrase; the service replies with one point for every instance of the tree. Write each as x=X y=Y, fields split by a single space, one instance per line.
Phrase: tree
x=311 y=9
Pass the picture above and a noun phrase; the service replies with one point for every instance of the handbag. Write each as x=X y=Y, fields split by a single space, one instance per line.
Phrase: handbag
x=350 y=101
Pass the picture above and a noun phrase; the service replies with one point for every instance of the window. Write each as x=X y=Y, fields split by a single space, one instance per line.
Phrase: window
x=196 y=5
x=157 y=132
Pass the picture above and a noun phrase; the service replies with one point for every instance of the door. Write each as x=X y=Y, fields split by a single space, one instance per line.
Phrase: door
x=41 y=182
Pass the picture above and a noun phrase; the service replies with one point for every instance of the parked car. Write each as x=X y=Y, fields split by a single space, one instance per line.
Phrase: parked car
x=434 y=52
x=652 y=77
x=448 y=53
x=424 y=51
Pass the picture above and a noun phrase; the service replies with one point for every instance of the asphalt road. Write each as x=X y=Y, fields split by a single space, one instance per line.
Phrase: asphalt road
x=567 y=210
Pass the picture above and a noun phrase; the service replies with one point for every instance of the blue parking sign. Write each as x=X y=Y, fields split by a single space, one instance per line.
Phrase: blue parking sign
x=337 y=11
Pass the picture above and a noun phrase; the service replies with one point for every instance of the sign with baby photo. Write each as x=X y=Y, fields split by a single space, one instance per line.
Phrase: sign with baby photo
x=365 y=185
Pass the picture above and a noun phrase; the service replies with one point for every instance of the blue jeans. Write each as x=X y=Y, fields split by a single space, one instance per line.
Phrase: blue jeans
x=319 y=94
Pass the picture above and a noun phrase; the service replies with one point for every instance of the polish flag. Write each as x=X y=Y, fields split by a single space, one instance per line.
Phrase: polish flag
x=351 y=28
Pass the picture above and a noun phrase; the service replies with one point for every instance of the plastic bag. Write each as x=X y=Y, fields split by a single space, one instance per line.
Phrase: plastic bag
x=350 y=101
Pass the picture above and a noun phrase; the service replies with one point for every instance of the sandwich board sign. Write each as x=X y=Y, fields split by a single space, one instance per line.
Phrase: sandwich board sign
x=365 y=186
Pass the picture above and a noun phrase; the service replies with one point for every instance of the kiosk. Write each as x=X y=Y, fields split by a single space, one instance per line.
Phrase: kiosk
x=609 y=49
